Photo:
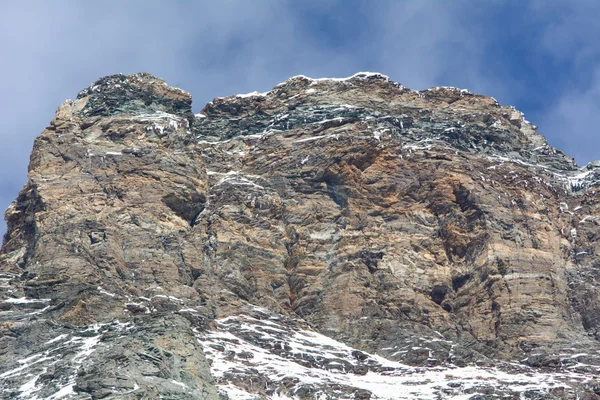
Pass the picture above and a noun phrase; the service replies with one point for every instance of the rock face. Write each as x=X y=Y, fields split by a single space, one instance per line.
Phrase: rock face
x=329 y=239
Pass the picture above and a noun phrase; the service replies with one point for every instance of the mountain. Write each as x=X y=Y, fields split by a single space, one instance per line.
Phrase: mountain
x=329 y=239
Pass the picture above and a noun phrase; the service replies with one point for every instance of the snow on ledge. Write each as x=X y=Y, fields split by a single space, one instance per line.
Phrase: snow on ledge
x=24 y=300
x=252 y=94
x=358 y=75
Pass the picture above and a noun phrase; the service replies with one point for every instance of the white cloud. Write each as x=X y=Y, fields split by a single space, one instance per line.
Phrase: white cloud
x=431 y=42
x=573 y=121
x=569 y=29
x=569 y=33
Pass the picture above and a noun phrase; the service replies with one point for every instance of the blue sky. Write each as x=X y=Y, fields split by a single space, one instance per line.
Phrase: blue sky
x=543 y=56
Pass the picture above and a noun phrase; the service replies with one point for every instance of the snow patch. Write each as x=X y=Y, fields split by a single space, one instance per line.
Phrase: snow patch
x=310 y=139
x=236 y=178
x=324 y=235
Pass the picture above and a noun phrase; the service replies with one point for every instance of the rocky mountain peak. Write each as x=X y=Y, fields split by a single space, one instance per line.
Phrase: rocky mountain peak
x=327 y=239
x=139 y=93
x=449 y=116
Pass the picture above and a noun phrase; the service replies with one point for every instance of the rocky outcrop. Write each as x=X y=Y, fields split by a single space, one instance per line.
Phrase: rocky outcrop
x=310 y=242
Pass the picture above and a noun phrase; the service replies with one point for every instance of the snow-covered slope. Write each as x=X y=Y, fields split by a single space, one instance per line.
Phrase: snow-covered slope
x=270 y=356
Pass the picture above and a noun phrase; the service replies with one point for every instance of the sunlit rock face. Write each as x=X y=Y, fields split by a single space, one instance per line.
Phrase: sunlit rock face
x=328 y=239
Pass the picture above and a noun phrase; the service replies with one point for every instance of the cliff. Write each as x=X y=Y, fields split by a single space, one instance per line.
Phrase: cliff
x=328 y=239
